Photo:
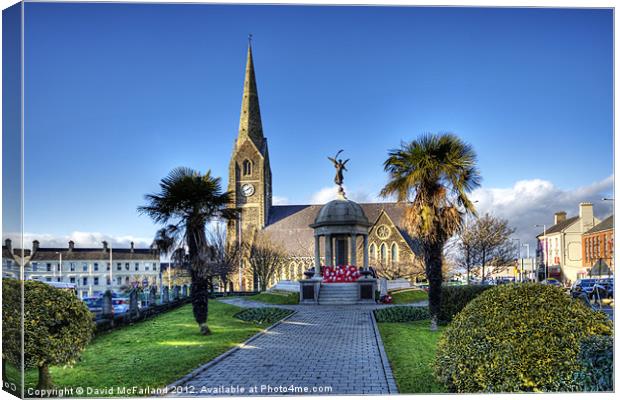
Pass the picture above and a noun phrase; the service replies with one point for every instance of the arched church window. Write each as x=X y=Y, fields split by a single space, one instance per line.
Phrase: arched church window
x=394 y=253
x=247 y=167
x=383 y=253
x=373 y=252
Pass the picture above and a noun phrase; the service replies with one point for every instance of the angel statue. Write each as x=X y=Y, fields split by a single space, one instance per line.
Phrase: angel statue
x=340 y=166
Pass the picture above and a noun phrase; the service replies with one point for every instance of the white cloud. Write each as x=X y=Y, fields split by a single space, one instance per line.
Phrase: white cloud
x=81 y=239
x=279 y=200
x=330 y=193
x=531 y=202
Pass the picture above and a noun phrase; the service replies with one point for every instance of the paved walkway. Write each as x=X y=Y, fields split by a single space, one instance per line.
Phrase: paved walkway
x=317 y=350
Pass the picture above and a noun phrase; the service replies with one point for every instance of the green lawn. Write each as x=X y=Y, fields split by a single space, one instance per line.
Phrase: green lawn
x=410 y=347
x=408 y=296
x=155 y=352
x=275 y=297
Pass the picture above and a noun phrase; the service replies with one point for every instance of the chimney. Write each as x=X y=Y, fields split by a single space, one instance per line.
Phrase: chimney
x=35 y=246
x=586 y=216
x=105 y=246
x=559 y=217
x=71 y=245
x=132 y=247
x=7 y=244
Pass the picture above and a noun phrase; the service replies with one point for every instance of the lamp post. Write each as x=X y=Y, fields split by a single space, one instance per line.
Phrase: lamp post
x=527 y=246
x=518 y=255
x=59 y=264
x=544 y=226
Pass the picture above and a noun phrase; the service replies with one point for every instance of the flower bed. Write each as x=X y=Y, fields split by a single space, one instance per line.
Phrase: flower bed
x=340 y=274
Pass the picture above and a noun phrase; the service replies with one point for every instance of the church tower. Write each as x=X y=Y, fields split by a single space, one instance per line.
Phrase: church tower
x=249 y=173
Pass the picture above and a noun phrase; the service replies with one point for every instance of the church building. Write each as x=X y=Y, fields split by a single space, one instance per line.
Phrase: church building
x=390 y=246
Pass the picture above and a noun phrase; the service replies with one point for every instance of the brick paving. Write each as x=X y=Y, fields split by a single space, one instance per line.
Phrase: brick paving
x=317 y=350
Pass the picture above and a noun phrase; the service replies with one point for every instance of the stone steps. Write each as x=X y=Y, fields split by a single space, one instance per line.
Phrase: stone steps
x=338 y=293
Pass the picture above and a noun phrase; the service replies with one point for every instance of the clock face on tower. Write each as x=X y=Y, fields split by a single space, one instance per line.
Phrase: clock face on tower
x=247 y=189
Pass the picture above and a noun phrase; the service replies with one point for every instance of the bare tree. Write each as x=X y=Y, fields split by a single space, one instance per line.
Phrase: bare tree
x=225 y=255
x=486 y=242
x=399 y=269
x=266 y=258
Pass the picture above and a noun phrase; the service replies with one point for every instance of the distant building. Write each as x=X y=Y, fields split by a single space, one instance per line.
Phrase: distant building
x=94 y=270
x=12 y=259
x=598 y=248
x=560 y=246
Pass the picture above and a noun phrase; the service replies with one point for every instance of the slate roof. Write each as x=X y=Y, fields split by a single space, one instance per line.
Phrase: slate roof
x=44 y=254
x=560 y=226
x=604 y=225
x=289 y=224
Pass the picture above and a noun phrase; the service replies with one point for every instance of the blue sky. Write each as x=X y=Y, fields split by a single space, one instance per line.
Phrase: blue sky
x=117 y=95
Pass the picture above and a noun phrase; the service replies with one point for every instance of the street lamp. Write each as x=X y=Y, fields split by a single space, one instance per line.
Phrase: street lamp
x=544 y=226
x=527 y=246
x=59 y=264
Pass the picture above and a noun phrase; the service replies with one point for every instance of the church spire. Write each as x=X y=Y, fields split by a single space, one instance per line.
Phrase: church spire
x=250 y=125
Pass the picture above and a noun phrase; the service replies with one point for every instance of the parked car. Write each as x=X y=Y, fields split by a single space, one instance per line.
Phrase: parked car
x=584 y=285
x=94 y=304
x=120 y=305
x=552 y=281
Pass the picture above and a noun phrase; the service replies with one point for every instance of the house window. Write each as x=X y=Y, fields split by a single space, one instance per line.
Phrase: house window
x=137 y=266
x=84 y=267
x=96 y=266
x=95 y=281
x=127 y=266
x=247 y=167
x=383 y=253
x=85 y=281
x=49 y=267
x=394 y=253
x=48 y=279
x=119 y=280
x=59 y=279
x=126 y=279
x=119 y=266
x=154 y=267
x=72 y=279
x=107 y=268
x=108 y=281
x=72 y=267
x=35 y=267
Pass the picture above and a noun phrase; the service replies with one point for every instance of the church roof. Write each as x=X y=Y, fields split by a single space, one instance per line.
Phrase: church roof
x=250 y=124
x=289 y=224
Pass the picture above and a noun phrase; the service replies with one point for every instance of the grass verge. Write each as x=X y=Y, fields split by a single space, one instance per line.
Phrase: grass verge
x=408 y=296
x=410 y=347
x=152 y=353
x=275 y=297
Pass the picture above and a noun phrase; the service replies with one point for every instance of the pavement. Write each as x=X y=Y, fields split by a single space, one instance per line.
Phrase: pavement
x=317 y=350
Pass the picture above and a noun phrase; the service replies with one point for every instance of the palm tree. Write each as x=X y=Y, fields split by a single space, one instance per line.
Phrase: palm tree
x=186 y=203
x=433 y=175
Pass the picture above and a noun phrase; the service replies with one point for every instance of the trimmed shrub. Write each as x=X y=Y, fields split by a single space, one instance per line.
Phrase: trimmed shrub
x=455 y=298
x=516 y=338
x=57 y=326
x=263 y=315
x=596 y=359
x=401 y=314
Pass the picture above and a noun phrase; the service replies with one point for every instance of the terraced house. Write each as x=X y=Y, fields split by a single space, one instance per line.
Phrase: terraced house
x=598 y=248
x=95 y=270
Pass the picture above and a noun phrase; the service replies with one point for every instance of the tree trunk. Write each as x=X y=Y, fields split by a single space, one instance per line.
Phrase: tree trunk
x=45 y=379
x=200 y=302
x=484 y=261
x=433 y=261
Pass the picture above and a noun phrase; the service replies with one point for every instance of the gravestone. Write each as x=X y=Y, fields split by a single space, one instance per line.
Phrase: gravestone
x=107 y=308
x=165 y=297
x=133 y=303
x=383 y=287
x=152 y=296
x=175 y=292
x=184 y=291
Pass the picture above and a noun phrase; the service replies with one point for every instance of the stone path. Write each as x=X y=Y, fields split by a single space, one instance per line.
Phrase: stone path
x=317 y=350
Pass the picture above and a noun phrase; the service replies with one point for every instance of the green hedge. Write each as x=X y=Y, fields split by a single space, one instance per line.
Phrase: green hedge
x=517 y=338
x=263 y=315
x=401 y=314
x=455 y=298
x=596 y=359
